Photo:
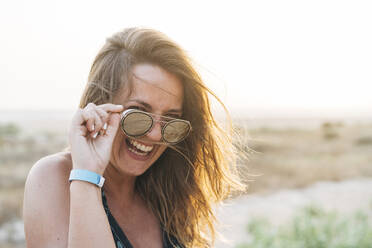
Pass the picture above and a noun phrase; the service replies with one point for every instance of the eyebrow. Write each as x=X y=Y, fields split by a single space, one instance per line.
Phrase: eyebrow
x=148 y=106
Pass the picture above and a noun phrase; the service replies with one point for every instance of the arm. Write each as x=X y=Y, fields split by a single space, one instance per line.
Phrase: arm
x=60 y=215
x=89 y=226
x=46 y=205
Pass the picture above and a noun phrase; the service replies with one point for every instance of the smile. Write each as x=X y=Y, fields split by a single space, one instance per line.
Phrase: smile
x=138 y=148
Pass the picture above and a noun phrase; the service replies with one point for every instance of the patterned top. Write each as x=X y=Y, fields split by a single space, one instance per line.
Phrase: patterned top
x=121 y=240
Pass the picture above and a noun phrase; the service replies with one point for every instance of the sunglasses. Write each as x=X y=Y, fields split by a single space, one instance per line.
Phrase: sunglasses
x=136 y=123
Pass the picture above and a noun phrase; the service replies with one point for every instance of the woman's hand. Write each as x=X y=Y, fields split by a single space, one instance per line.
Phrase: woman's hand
x=91 y=135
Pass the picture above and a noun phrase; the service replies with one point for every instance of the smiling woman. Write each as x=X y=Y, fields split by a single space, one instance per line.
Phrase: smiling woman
x=146 y=161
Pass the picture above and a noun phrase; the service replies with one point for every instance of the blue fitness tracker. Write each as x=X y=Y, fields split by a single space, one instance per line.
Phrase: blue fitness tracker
x=88 y=176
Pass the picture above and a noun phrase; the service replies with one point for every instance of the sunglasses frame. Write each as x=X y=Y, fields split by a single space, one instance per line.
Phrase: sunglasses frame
x=127 y=112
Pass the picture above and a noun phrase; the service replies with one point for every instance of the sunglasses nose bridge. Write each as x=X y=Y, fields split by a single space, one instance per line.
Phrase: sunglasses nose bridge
x=157 y=118
x=155 y=133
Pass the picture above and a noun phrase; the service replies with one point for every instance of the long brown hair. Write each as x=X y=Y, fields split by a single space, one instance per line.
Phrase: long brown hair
x=185 y=181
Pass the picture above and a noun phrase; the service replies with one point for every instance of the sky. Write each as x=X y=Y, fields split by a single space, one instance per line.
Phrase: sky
x=281 y=58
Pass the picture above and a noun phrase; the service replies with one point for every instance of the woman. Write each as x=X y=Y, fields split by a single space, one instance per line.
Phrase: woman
x=145 y=126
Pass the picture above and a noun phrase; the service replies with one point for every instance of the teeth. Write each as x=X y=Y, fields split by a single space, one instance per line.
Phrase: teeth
x=138 y=153
x=141 y=147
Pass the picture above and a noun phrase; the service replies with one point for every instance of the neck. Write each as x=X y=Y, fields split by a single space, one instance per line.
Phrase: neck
x=119 y=187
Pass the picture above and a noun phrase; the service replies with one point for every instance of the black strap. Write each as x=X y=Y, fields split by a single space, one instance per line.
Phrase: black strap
x=121 y=240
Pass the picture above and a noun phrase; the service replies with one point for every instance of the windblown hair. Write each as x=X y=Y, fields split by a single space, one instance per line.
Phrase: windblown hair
x=184 y=183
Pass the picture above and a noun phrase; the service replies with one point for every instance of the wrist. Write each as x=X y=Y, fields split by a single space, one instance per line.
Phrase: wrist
x=83 y=186
x=88 y=191
x=87 y=176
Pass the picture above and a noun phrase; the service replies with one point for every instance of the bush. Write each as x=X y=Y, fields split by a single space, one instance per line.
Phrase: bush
x=9 y=130
x=364 y=141
x=330 y=130
x=313 y=228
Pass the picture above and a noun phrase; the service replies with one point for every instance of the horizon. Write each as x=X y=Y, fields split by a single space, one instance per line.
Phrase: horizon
x=263 y=58
x=235 y=113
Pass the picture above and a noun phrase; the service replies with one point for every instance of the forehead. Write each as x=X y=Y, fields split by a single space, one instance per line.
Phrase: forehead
x=155 y=86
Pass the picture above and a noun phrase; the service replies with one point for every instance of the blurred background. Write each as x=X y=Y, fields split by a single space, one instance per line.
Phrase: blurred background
x=295 y=75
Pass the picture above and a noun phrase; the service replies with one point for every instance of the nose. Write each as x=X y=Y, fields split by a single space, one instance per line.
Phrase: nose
x=155 y=132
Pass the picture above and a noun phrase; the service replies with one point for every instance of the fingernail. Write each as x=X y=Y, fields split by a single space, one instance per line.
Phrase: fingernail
x=95 y=135
x=92 y=127
x=105 y=126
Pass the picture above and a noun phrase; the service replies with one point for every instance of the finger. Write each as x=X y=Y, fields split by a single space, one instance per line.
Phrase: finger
x=88 y=117
x=93 y=121
x=109 y=107
x=83 y=120
x=98 y=124
x=113 y=125
x=90 y=105
x=103 y=114
x=76 y=124
x=77 y=118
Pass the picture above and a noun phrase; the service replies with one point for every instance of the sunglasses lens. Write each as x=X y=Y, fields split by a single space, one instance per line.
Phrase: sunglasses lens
x=136 y=124
x=175 y=131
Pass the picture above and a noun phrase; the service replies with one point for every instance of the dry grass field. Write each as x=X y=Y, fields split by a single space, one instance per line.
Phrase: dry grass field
x=294 y=157
x=289 y=156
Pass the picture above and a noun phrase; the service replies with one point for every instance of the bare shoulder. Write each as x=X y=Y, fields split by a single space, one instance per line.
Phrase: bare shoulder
x=46 y=201
x=50 y=174
x=53 y=167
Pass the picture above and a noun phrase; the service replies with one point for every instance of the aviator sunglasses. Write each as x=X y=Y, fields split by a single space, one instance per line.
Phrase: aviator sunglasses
x=136 y=123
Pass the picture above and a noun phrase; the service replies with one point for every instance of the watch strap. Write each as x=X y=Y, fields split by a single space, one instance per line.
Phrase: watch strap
x=87 y=176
